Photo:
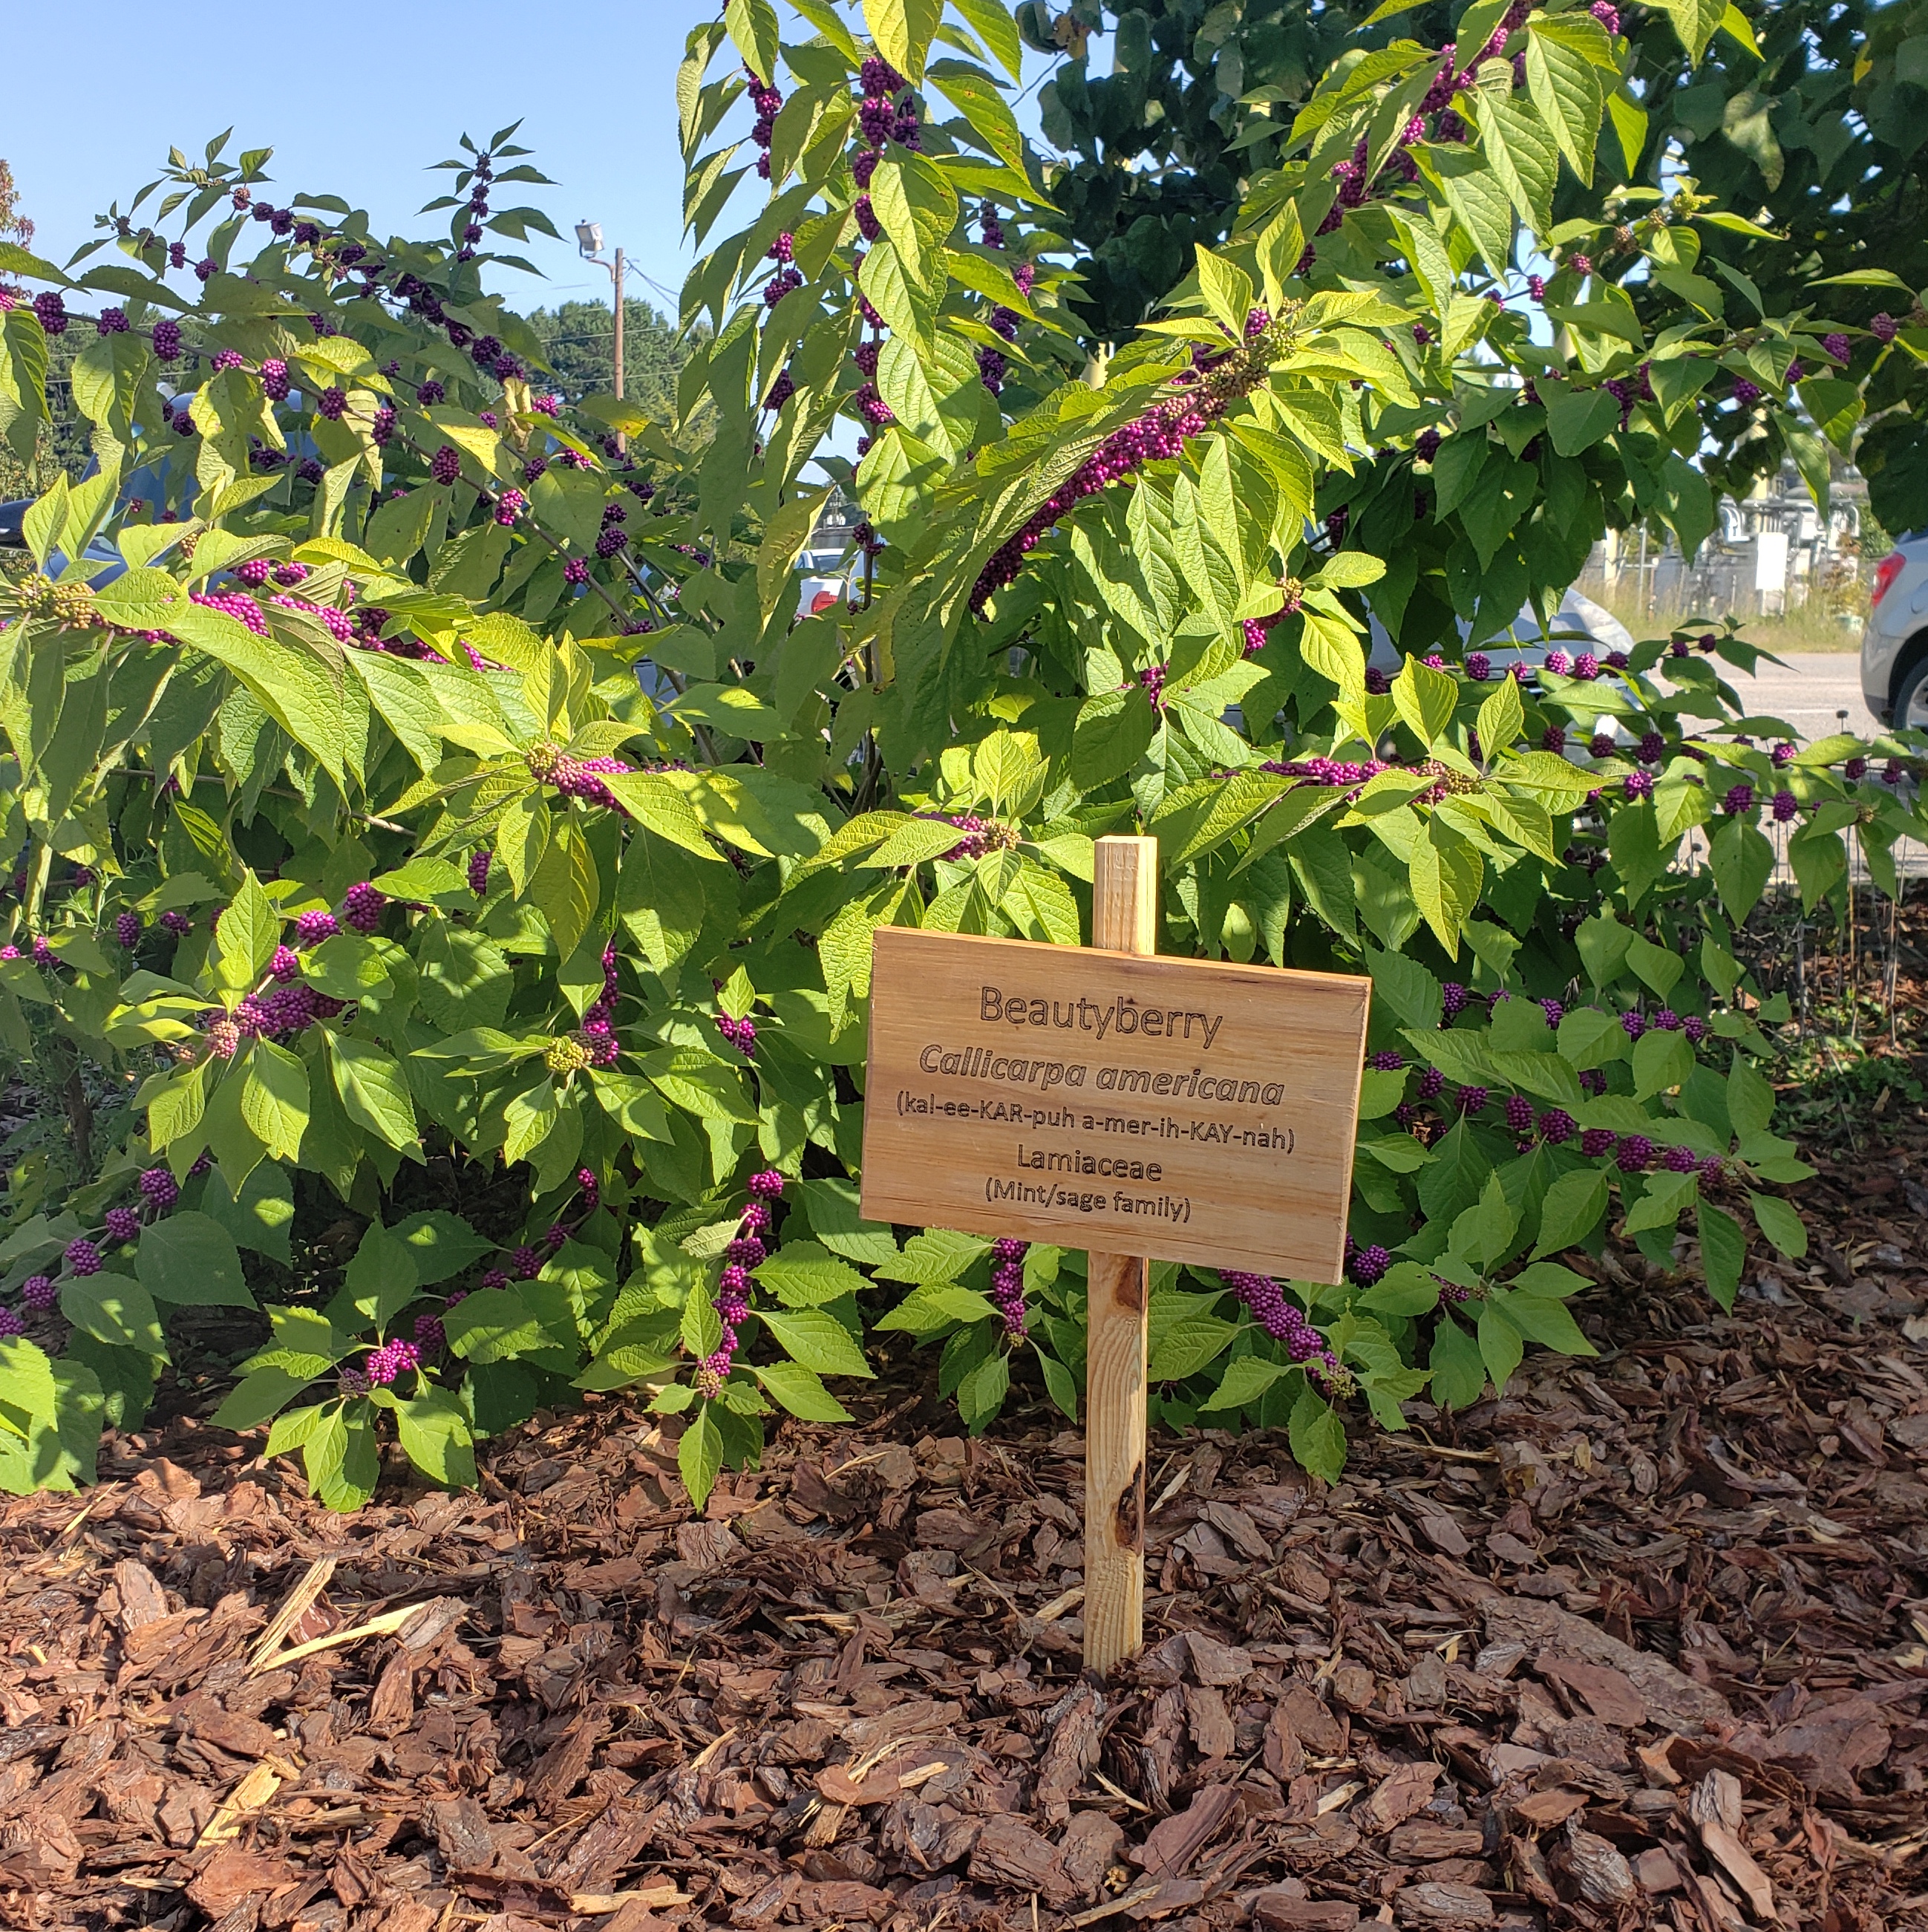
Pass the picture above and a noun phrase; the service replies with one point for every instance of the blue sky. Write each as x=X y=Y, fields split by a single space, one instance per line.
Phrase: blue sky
x=360 y=100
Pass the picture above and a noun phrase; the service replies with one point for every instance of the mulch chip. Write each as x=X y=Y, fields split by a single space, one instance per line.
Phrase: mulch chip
x=1643 y=1643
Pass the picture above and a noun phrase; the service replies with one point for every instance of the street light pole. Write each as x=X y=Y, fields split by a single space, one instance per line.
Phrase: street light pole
x=589 y=242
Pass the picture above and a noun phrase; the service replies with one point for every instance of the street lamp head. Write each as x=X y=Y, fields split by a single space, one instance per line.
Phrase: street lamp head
x=589 y=237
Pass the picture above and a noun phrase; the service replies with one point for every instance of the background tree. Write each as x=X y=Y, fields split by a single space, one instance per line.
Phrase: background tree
x=578 y=343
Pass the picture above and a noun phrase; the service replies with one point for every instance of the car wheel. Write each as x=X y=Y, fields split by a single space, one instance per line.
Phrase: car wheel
x=1911 y=701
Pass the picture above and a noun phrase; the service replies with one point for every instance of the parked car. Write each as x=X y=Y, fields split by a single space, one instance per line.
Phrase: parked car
x=1578 y=624
x=1894 y=641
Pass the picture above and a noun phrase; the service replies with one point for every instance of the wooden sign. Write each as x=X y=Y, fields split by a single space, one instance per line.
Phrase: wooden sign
x=1188 y=1110
x=1107 y=1098
x=1104 y=1098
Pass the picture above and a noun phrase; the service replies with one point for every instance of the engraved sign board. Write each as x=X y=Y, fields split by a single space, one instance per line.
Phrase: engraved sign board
x=1188 y=1110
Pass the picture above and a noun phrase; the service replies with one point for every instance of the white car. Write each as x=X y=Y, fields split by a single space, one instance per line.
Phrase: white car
x=1579 y=624
x=1894 y=644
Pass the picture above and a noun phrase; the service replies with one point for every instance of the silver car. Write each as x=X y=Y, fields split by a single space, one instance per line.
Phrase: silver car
x=1894 y=645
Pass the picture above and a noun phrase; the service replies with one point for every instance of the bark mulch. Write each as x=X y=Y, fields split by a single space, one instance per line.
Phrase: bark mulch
x=1645 y=1643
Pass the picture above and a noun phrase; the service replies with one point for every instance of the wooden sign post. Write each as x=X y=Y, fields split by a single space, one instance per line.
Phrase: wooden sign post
x=1144 y=1108
x=1124 y=919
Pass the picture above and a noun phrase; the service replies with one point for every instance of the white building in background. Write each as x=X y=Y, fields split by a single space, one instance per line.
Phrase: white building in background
x=1772 y=553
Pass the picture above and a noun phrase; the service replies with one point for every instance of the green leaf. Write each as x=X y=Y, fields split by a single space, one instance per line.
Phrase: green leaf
x=753 y=26
x=994 y=26
x=434 y=1433
x=381 y=1279
x=817 y=1340
x=1571 y=1210
x=801 y=1274
x=493 y=1324
x=114 y=1310
x=1114 y=731
x=1662 y=1201
x=1228 y=291
x=256 y=1396
x=1317 y=1435
x=1502 y=1345
x=1405 y=1289
x=249 y=931
x=1245 y=1379
x=700 y=1455
x=1742 y=862
x=190 y=1259
x=439 y=1244
x=1403 y=985
x=800 y=1391
x=1723 y=1252
x=260 y=1217
x=1187 y=1345
x=1780 y=1224
x=1546 y=1321
x=373 y=1092
x=1426 y=699
x=903 y=30
x=274 y=1099
x=1661 y=1062
x=1569 y=90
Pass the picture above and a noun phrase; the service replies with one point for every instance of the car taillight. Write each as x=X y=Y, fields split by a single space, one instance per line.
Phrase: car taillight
x=1886 y=571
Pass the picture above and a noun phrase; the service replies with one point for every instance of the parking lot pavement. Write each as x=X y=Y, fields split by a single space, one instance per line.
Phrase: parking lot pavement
x=1809 y=690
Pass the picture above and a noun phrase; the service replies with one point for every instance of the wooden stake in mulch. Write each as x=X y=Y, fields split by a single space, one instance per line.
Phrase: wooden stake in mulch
x=1124 y=919
x=1141 y=1108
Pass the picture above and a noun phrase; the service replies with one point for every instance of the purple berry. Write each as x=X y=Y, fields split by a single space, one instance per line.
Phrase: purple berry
x=127 y=929
x=1389 y=1060
x=1595 y=1141
x=445 y=466
x=1519 y=1113
x=1837 y=346
x=123 y=1224
x=478 y=872
x=1884 y=328
x=1473 y=1100
x=82 y=1258
x=39 y=1293
x=1557 y=1126
x=1740 y=799
x=160 y=1189
x=1785 y=807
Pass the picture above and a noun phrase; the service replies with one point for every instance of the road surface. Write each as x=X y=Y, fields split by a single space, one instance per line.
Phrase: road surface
x=1809 y=690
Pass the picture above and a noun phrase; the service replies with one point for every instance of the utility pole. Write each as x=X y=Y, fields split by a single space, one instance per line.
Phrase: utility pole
x=618 y=274
x=588 y=243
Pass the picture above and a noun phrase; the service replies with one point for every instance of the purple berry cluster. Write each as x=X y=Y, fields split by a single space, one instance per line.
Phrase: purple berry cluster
x=1162 y=432
x=1368 y=1264
x=732 y=1299
x=742 y=1034
x=767 y=103
x=1007 y=1282
x=1280 y=1319
x=384 y=1364
x=478 y=871
x=361 y=907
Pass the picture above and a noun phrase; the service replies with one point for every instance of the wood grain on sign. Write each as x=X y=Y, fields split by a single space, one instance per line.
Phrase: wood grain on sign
x=1187 y=1109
